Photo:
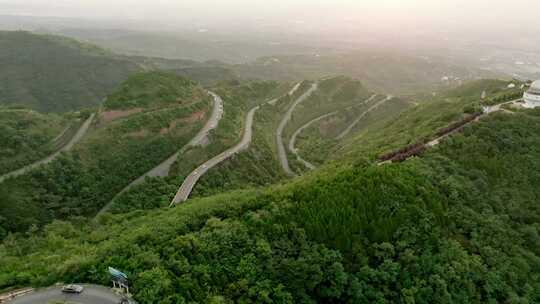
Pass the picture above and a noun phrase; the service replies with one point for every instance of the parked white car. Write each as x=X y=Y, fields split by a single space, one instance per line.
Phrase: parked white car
x=72 y=288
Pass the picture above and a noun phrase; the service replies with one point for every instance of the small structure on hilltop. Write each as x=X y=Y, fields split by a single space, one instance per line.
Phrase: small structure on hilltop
x=532 y=96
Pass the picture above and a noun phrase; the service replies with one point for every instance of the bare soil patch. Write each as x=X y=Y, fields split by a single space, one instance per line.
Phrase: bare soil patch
x=109 y=116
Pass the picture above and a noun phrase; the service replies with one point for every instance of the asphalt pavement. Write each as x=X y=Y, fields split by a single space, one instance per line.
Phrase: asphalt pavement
x=91 y=294
x=191 y=180
x=357 y=120
x=162 y=170
x=282 y=153
x=292 y=142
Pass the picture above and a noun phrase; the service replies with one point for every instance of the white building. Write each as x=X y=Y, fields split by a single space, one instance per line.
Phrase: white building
x=532 y=96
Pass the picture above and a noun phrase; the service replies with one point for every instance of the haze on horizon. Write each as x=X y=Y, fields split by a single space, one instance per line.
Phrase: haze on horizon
x=486 y=16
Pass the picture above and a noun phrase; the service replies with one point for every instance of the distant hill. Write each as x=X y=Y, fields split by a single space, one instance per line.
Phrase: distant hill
x=56 y=74
x=386 y=71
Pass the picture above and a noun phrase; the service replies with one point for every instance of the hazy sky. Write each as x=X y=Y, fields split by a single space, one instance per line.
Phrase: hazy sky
x=389 y=14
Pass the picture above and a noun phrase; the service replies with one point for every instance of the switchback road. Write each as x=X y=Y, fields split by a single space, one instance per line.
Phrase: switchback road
x=162 y=170
x=191 y=180
x=282 y=153
x=76 y=138
x=357 y=120
x=292 y=142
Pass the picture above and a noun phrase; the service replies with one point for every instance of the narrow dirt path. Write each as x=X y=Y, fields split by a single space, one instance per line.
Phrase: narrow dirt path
x=282 y=153
x=162 y=170
x=292 y=142
x=75 y=139
x=191 y=180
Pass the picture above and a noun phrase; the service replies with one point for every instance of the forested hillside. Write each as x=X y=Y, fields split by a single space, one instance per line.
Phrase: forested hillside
x=27 y=136
x=428 y=115
x=238 y=98
x=120 y=147
x=153 y=90
x=57 y=74
x=458 y=225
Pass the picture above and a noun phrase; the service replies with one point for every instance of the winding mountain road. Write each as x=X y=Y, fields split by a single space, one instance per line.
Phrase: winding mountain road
x=292 y=142
x=191 y=180
x=162 y=170
x=282 y=153
x=75 y=139
x=357 y=120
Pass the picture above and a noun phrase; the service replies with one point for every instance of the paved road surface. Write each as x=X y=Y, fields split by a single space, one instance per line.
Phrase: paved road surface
x=76 y=138
x=162 y=170
x=282 y=154
x=192 y=179
x=357 y=120
x=292 y=142
x=295 y=88
x=90 y=295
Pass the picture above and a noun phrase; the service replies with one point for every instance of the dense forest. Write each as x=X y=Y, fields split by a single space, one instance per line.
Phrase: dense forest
x=457 y=225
